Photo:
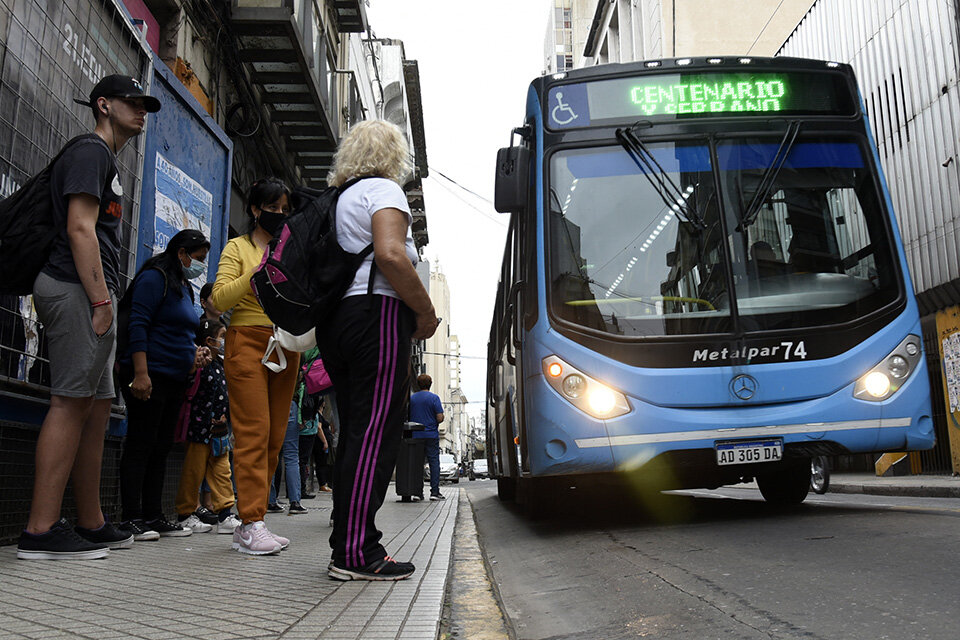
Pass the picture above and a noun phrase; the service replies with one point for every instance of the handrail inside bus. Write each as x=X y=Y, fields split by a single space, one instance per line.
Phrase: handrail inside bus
x=586 y=303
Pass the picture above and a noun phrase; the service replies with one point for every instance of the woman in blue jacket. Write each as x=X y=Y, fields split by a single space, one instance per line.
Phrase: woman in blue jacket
x=159 y=357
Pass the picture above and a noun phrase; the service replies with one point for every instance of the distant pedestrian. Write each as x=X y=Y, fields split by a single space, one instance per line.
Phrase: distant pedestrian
x=208 y=440
x=160 y=355
x=290 y=464
x=366 y=344
x=324 y=448
x=209 y=311
x=259 y=399
x=426 y=409
x=75 y=296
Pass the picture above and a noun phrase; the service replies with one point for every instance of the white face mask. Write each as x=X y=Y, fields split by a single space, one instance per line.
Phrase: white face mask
x=221 y=346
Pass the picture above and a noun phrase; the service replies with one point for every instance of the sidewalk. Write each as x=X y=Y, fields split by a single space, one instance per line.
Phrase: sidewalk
x=910 y=486
x=197 y=587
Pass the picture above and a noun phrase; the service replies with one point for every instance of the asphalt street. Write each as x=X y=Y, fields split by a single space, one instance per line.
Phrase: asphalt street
x=724 y=564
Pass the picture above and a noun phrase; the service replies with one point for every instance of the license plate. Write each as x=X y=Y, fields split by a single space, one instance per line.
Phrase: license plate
x=749 y=452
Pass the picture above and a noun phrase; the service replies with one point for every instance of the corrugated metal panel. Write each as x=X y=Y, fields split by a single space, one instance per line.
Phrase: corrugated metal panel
x=906 y=59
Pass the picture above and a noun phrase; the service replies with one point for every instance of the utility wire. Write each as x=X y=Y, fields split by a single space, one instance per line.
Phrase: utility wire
x=452 y=355
x=467 y=202
x=470 y=191
x=772 y=15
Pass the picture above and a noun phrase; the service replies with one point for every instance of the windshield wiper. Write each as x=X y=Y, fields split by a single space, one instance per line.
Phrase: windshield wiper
x=769 y=177
x=666 y=188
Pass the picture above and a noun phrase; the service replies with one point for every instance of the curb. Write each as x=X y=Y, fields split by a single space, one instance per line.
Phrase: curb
x=891 y=490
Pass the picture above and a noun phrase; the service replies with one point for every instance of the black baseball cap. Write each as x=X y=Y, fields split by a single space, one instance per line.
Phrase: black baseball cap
x=117 y=86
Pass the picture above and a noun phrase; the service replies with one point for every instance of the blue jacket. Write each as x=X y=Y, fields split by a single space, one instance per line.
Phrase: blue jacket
x=162 y=326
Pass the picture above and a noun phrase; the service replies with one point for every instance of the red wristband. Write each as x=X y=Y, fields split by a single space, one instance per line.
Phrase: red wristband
x=102 y=303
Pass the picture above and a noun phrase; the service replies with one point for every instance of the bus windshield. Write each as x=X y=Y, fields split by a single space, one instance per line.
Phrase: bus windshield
x=652 y=249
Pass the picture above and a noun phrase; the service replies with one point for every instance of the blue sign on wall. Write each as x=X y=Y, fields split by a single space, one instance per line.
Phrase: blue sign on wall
x=186 y=173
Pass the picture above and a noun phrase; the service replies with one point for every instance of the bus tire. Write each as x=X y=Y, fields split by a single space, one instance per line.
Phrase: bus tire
x=788 y=486
x=506 y=489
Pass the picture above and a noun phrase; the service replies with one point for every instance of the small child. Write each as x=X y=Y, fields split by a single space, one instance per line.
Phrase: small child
x=208 y=439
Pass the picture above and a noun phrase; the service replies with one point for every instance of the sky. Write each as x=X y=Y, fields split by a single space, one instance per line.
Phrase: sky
x=476 y=61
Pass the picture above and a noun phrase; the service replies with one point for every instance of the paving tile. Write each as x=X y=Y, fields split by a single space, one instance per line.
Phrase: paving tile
x=288 y=596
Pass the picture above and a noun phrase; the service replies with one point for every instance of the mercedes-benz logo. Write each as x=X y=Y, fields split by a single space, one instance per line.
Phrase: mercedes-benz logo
x=744 y=386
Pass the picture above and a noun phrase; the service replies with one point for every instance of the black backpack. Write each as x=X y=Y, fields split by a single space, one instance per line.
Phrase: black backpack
x=27 y=229
x=305 y=271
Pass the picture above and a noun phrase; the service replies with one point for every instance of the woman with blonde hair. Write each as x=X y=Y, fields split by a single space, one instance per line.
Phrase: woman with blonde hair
x=366 y=344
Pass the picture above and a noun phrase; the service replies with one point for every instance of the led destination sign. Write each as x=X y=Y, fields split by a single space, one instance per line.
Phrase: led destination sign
x=713 y=96
x=698 y=94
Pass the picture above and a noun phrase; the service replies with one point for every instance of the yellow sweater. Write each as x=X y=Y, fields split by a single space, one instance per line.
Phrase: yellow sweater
x=240 y=258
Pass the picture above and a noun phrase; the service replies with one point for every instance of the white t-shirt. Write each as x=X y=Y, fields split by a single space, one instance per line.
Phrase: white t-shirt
x=355 y=210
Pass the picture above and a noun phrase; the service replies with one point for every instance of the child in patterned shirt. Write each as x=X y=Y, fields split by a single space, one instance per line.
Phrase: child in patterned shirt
x=208 y=438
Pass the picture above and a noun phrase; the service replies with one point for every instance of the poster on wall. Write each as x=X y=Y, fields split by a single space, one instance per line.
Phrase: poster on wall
x=948 y=332
x=182 y=203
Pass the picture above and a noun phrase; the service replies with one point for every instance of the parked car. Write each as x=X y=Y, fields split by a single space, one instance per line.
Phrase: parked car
x=478 y=469
x=448 y=469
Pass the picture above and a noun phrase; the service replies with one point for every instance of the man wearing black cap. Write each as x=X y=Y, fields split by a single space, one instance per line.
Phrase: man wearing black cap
x=75 y=297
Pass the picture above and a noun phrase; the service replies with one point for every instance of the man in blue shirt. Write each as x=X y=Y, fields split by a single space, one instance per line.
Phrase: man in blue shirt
x=426 y=408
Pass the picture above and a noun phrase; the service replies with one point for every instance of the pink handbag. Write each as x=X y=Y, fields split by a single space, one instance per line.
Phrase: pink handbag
x=315 y=377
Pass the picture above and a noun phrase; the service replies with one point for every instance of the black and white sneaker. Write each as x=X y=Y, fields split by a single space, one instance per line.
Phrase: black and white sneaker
x=61 y=542
x=437 y=496
x=274 y=507
x=380 y=570
x=107 y=534
x=206 y=516
x=139 y=531
x=295 y=509
x=168 y=529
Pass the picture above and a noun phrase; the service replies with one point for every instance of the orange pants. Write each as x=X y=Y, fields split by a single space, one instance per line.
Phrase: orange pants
x=259 y=410
x=198 y=463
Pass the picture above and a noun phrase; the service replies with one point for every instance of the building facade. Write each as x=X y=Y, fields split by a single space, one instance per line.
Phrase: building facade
x=907 y=60
x=612 y=31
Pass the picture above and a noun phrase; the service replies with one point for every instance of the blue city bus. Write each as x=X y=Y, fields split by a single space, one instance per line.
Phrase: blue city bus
x=703 y=282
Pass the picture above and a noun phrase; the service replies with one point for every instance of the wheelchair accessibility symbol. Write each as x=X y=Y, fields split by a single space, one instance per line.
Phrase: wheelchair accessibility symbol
x=562 y=114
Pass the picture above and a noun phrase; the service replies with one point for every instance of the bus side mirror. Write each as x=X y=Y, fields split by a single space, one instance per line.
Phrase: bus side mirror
x=510 y=192
x=671 y=258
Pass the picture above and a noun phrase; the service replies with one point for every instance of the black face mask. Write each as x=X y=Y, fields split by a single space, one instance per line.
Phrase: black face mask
x=270 y=221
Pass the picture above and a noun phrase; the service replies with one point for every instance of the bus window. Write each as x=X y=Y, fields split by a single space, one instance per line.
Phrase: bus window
x=815 y=250
x=625 y=259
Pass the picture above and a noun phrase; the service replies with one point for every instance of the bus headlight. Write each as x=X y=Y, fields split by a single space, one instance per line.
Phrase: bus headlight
x=590 y=396
x=886 y=378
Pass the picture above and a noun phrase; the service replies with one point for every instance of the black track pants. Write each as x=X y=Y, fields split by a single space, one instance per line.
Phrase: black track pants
x=366 y=350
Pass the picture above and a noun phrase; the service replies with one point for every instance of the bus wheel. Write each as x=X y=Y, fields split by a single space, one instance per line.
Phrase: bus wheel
x=786 y=486
x=506 y=489
x=819 y=474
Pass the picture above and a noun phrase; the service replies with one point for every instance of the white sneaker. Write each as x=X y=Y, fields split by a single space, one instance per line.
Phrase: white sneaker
x=229 y=525
x=254 y=539
x=196 y=524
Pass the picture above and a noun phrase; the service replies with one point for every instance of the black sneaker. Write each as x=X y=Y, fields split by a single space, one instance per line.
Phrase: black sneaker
x=168 y=529
x=273 y=507
x=206 y=516
x=379 y=570
x=139 y=531
x=307 y=496
x=107 y=534
x=296 y=509
x=61 y=542
x=437 y=496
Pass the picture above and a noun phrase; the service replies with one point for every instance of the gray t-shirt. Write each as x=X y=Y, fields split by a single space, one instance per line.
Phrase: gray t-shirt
x=87 y=167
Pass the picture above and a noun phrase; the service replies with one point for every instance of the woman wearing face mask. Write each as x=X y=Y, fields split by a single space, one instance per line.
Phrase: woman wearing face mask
x=159 y=357
x=259 y=398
